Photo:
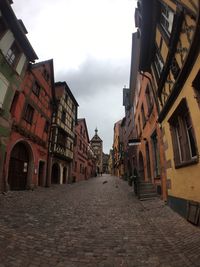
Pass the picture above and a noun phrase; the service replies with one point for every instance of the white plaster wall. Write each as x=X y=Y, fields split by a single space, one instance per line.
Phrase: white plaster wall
x=6 y=42
x=21 y=63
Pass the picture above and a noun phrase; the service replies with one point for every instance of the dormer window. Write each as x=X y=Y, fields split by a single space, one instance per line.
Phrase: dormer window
x=13 y=55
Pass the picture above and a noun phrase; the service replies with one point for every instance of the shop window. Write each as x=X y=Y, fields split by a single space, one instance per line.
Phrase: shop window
x=183 y=137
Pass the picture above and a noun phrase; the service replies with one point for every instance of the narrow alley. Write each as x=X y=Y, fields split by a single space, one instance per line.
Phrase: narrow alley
x=97 y=223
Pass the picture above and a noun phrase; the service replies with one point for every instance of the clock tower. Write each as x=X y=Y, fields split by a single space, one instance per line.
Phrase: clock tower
x=97 y=146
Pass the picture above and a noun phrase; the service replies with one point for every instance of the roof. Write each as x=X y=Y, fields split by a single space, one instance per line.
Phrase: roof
x=84 y=121
x=58 y=84
x=18 y=29
x=96 y=138
x=50 y=63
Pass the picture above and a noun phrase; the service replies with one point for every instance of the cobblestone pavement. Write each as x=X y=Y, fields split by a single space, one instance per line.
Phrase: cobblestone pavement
x=93 y=224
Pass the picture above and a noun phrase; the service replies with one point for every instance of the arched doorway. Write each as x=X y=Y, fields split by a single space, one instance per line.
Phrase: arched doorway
x=141 y=166
x=64 y=175
x=19 y=167
x=55 y=174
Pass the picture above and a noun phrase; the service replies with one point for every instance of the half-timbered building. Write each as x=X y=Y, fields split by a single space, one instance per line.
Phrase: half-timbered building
x=63 y=134
x=170 y=37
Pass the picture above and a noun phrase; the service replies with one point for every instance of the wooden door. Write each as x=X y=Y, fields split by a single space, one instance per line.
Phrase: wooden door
x=18 y=167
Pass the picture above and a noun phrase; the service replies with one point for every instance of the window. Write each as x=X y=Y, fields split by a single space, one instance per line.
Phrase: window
x=62 y=138
x=149 y=100
x=13 y=55
x=28 y=115
x=71 y=146
x=46 y=127
x=158 y=61
x=183 y=138
x=75 y=140
x=156 y=155
x=14 y=103
x=36 y=88
x=72 y=125
x=3 y=27
x=166 y=18
x=63 y=117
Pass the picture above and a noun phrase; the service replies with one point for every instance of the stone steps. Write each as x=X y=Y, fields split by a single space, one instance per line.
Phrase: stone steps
x=147 y=191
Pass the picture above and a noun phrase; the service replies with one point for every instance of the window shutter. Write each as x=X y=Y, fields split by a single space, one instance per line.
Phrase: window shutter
x=175 y=145
x=186 y=151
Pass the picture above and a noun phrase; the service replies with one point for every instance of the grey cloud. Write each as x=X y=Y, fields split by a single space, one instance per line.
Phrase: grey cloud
x=94 y=77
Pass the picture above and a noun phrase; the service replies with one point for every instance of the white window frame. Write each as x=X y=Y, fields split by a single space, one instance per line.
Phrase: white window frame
x=168 y=18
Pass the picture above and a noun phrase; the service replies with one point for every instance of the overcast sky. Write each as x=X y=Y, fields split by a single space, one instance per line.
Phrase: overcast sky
x=90 y=43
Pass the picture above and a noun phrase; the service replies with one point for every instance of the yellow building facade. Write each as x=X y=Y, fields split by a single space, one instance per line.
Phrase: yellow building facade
x=170 y=46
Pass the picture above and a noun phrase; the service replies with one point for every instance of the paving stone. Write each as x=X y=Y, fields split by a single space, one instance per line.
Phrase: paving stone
x=91 y=224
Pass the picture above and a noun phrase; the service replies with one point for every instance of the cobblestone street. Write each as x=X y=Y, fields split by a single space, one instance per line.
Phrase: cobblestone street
x=93 y=223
